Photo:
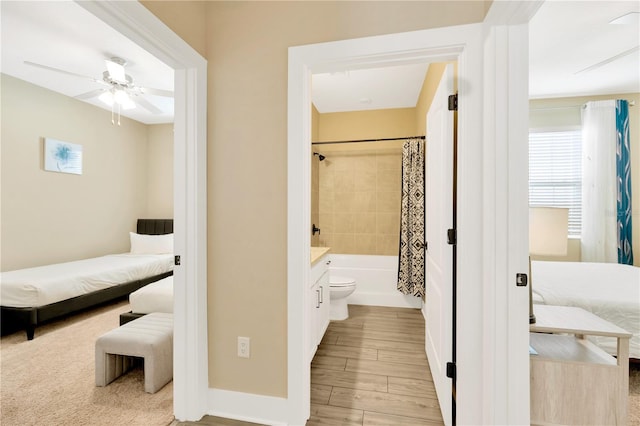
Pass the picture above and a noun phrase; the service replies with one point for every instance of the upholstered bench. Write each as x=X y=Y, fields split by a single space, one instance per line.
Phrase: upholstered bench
x=149 y=337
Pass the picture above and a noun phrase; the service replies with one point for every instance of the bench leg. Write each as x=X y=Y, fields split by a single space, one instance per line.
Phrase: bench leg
x=111 y=366
x=158 y=369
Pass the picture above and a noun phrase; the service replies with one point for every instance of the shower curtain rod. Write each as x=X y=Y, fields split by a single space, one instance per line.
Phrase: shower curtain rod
x=368 y=140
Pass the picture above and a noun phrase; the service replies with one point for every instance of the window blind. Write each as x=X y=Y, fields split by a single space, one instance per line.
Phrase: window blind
x=555 y=173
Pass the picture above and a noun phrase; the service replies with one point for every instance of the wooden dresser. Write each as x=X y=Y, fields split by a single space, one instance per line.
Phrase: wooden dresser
x=572 y=380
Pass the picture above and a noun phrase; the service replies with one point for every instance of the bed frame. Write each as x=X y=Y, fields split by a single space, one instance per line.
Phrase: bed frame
x=28 y=318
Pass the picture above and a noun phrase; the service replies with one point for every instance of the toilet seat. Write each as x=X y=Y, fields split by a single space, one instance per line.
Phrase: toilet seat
x=338 y=281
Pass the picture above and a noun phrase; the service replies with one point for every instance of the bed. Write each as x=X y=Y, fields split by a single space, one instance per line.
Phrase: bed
x=32 y=296
x=155 y=297
x=610 y=291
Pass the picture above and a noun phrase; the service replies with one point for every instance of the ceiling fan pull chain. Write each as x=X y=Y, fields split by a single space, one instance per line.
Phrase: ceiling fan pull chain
x=119 y=106
x=112 y=120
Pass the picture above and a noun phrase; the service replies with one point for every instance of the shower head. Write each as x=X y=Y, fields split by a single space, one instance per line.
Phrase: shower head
x=320 y=156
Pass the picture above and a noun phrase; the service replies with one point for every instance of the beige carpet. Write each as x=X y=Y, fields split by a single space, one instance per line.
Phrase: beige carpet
x=50 y=380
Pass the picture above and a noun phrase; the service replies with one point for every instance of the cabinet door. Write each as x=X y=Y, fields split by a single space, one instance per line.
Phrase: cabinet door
x=313 y=307
x=325 y=296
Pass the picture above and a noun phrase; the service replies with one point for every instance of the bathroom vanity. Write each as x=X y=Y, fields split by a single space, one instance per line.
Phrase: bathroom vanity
x=317 y=299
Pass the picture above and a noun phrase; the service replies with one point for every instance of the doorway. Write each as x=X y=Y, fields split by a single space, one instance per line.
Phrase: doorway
x=134 y=21
x=441 y=45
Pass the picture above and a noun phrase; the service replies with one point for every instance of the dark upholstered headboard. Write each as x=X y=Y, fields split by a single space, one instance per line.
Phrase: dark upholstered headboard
x=155 y=226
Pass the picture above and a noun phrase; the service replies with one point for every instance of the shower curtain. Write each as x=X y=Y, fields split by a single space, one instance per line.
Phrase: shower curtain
x=606 y=183
x=412 y=254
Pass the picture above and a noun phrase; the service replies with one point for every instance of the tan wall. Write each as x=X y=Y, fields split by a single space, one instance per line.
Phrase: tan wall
x=545 y=113
x=247 y=46
x=372 y=124
x=187 y=19
x=160 y=171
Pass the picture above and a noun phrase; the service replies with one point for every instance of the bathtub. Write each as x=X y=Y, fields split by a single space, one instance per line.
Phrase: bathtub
x=376 y=280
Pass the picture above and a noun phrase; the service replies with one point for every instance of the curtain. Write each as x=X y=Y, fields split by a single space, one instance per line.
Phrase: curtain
x=623 y=188
x=412 y=254
x=601 y=187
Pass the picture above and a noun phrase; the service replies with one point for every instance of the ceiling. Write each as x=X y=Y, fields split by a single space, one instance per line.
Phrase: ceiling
x=574 y=51
x=65 y=36
x=366 y=89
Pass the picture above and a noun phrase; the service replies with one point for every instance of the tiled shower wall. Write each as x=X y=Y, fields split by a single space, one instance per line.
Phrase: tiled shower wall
x=359 y=201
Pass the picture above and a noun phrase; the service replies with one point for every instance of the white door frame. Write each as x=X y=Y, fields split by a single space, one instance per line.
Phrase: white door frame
x=461 y=43
x=493 y=360
x=190 y=345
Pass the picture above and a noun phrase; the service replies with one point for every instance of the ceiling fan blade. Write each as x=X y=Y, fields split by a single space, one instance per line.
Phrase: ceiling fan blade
x=157 y=92
x=46 y=67
x=91 y=94
x=146 y=105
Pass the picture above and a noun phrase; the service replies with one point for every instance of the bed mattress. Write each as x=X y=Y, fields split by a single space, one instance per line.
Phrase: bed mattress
x=154 y=297
x=39 y=286
x=608 y=290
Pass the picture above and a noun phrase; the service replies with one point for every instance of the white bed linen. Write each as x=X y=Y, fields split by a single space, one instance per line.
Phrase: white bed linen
x=154 y=297
x=609 y=290
x=42 y=285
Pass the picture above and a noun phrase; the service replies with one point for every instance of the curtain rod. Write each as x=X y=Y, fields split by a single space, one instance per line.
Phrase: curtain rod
x=631 y=103
x=368 y=140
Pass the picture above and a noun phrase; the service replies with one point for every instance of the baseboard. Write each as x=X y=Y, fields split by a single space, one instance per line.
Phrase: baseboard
x=260 y=409
x=395 y=299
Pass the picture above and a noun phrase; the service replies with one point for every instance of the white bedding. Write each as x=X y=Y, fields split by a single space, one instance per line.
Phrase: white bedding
x=610 y=291
x=154 y=297
x=39 y=286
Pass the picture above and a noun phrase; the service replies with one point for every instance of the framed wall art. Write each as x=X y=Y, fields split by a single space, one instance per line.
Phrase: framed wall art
x=63 y=157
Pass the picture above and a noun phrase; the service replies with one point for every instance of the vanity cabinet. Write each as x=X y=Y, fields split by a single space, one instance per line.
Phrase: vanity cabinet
x=318 y=298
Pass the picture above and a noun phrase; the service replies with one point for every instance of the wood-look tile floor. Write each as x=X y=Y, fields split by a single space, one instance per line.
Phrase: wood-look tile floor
x=369 y=370
x=372 y=370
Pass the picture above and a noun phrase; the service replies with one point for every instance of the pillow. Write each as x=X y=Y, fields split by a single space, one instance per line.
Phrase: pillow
x=151 y=244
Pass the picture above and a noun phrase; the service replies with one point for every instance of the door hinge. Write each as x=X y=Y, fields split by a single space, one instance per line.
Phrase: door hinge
x=452 y=237
x=451 y=370
x=176 y=260
x=453 y=102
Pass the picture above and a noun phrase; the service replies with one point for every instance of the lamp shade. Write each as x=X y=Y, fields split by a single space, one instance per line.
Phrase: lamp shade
x=548 y=230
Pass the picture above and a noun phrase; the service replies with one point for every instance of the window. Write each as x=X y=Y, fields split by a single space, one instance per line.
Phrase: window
x=555 y=173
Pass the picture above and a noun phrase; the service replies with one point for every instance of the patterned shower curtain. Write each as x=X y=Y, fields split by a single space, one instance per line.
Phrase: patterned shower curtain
x=412 y=253
x=623 y=179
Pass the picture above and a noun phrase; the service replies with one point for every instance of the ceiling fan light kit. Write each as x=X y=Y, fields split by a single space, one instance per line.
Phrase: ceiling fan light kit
x=120 y=92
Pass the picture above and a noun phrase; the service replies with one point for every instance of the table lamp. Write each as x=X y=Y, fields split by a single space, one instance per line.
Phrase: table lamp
x=548 y=230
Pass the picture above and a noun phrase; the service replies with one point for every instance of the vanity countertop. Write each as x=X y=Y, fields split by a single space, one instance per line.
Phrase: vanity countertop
x=318 y=252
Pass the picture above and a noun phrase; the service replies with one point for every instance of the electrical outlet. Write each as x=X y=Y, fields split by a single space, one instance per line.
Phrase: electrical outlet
x=244 y=347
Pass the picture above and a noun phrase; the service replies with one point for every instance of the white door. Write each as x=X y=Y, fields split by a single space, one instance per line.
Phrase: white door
x=439 y=218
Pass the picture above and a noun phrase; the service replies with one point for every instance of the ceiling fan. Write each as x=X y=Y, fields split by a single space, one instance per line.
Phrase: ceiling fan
x=119 y=90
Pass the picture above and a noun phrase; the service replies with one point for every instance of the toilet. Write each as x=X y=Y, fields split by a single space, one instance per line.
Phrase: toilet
x=340 y=289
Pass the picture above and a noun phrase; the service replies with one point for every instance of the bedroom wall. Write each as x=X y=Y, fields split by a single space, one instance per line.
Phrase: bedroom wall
x=566 y=112
x=160 y=171
x=52 y=217
x=247 y=209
